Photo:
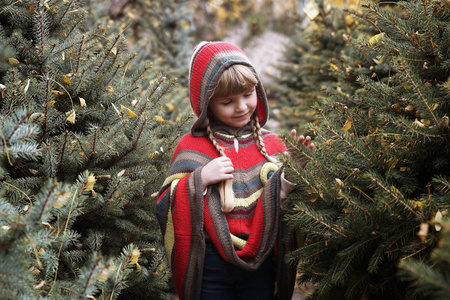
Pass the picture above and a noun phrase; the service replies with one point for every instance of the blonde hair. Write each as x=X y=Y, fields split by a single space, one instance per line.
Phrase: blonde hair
x=235 y=80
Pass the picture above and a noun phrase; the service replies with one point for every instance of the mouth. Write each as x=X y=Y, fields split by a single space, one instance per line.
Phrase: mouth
x=242 y=117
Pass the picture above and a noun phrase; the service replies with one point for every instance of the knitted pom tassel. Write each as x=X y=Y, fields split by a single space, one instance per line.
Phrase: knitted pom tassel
x=226 y=195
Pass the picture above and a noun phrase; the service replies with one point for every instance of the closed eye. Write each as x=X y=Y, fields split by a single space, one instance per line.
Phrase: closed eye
x=250 y=93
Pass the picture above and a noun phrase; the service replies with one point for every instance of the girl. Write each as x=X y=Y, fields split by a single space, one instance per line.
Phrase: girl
x=220 y=207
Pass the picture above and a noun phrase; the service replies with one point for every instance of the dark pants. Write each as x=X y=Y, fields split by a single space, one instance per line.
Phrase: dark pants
x=224 y=281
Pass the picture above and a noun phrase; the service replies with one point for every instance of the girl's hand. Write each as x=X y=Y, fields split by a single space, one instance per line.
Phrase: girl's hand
x=217 y=170
x=306 y=141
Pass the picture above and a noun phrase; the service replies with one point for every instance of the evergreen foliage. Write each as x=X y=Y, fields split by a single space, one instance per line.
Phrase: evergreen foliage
x=311 y=55
x=83 y=149
x=375 y=194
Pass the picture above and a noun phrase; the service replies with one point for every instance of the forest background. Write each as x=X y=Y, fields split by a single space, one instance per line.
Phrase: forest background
x=94 y=99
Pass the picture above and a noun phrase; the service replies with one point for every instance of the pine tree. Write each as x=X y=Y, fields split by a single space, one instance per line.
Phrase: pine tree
x=83 y=150
x=431 y=279
x=313 y=52
x=158 y=31
x=375 y=192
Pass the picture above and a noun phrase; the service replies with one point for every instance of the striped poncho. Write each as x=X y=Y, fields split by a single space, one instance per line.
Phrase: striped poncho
x=244 y=237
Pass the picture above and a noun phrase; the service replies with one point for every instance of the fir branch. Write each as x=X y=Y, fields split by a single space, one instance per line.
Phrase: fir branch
x=442 y=182
x=109 y=51
x=80 y=49
x=81 y=146
x=422 y=97
x=41 y=30
x=133 y=146
x=291 y=167
x=366 y=121
x=50 y=160
x=68 y=6
x=25 y=98
x=362 y=16
x=6 y=148
x=390 y=193
x=33 y=245
x=425 y=12
x=75 y=26
x=172 y=82
x=330 y=128
x=17 y=126
x=365 y=211
x=425 y=247
x=392 y=22
x=91 y=275
x=119 y=66
x=65 y=231
x=26 y=47
x=155 y=88
x=63 y=150
x=317 y=220
x=94 y=143
x=126 y=64
x=144 y=70
x=18 y=189
x=126 y=94
x=46 y=105
x=415 y=130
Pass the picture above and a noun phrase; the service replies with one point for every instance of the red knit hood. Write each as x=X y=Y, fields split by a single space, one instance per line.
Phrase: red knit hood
x=209 y=61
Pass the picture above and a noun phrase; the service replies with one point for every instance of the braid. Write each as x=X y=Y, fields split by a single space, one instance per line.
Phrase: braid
x=257 y=136
x=226 y=187
x=213 y=139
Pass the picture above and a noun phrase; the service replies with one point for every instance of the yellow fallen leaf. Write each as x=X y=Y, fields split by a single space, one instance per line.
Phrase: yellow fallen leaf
x=82 y=102
x=128 y=111
x=110 y=89
x=13 y=61
x=425 y=122
x=67 y=80
x=90 y=181
x=341 y=184
x=438 y=220
x=135 y=256
x=375 y=39
x=106 y=273
x=423 y=232
x=62 y=200
x=71 y=116
x=58 y=93
x=311 y=10
x=334 y=66
x=131 y=113
x=348 y=124
x=158 y=119
x=170 y=106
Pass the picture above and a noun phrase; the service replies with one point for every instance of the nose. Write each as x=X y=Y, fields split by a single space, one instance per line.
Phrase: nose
x=241 y=104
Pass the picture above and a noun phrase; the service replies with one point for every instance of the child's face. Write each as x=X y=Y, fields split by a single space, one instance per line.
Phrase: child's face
x=236 y=110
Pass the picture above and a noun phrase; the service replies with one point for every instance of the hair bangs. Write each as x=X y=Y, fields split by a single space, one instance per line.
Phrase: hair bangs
x=235 y=80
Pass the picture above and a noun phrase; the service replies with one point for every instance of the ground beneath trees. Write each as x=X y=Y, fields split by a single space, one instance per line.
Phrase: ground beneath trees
x=265 y=51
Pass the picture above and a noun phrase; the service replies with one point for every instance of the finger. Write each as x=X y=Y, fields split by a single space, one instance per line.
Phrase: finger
x=293 y=133
x=311 y=146
x=301 y=139
x=227 y=176
x=307 y=141
x=229 y=169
